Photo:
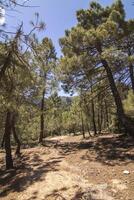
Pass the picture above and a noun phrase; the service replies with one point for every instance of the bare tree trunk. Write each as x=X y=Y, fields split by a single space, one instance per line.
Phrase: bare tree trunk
x=82 y=125
x=42 y=118
x=106 y=113
x=3 y=140
x=15 y=136
x=7 y=135
x=99 y=114
x=87 y=111
x=88 y=129
x=93 y=113
x=93 y=117
x=98 y=119
x=81 y=115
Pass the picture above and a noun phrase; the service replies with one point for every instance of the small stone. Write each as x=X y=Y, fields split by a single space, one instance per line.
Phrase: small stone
x=126 y=172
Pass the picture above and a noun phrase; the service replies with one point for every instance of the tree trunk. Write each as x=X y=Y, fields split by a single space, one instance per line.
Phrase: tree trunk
x=81 y=116
x=3 y=140
x=99 y=114
x=106 y=113
x=124 y=121
x=42 y=118
x=15 y=136
x=93 y=113
x=93 y=117
x=131 y=69
x=98 y=119
x=88 y=129
x=7 y=135
x=131 y=72
x=82 y=125
x=87 y=112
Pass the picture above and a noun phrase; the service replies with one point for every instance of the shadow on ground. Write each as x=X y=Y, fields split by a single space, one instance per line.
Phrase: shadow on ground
x=30 y=170
x=78 y=195
x=117 y=150
x=109 y=150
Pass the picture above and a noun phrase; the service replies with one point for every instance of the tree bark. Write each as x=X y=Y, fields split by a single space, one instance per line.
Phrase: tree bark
x=98 y=119
x=81 y=116
x=7 y=135
x=42 y=118
x=87 y=112
x=99 y=114
x=106 y=113
x=93 y=117
x=3 y=140
x=82 y=125
x=131 y=72
x=15 y=136
x=87 y=127
x=93 y=113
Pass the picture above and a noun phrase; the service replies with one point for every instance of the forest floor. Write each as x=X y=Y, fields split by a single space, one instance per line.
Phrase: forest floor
x=72 y=168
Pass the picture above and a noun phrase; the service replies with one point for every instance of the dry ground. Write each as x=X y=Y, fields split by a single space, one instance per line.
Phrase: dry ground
x=70 y=168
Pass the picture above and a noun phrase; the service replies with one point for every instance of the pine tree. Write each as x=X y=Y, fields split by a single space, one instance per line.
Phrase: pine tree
x=88 y=46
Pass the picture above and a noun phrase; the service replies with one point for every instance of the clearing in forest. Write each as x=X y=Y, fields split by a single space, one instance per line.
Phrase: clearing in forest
x=72 y=168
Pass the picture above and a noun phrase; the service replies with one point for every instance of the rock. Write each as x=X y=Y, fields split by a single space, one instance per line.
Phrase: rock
x=126 y=172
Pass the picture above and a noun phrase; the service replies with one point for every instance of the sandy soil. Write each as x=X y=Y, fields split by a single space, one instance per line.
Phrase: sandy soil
x=72 y=168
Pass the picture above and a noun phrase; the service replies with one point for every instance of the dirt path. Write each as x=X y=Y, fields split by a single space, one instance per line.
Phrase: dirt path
x=69 y=168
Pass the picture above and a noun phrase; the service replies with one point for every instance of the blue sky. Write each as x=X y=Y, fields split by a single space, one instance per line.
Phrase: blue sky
x=58 y=15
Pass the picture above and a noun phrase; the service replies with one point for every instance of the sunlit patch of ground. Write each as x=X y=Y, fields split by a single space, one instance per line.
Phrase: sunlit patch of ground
x=70 y=168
